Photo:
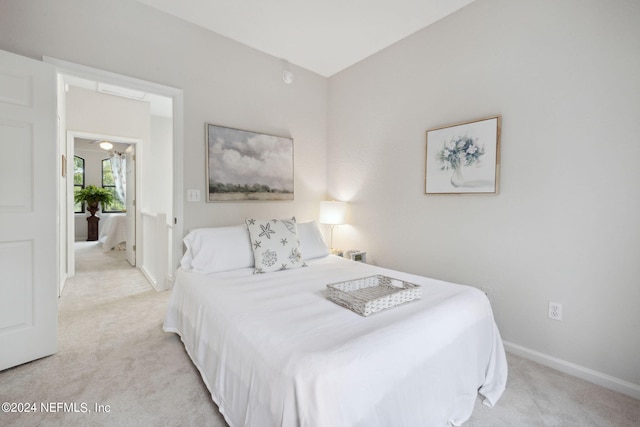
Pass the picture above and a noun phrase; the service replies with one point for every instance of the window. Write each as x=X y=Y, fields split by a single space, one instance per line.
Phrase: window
x=78 y=181
x=109 y=183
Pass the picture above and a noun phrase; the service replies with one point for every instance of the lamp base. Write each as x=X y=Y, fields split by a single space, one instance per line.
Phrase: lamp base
x=338 y=252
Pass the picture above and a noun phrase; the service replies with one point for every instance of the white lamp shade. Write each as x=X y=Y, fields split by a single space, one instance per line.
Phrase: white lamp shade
x=333 y=213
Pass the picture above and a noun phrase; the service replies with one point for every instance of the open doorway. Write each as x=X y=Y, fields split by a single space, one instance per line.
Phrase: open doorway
x=106 y=162
x=147 y=117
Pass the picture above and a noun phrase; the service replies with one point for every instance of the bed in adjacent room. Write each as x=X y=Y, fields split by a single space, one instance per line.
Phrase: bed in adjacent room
x=113 y=233
x=273 y=350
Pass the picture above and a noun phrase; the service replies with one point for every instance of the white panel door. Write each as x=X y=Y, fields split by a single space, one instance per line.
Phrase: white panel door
x=131 y=204
x=28 y=210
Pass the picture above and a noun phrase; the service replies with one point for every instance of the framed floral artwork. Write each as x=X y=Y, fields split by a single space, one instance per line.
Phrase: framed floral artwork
x=247 y=166
x=463 y=158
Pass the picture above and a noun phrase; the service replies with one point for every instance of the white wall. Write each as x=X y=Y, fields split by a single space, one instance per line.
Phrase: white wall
x=91 y=111
x=564 y=228
x=159 y=157
x=223 y=82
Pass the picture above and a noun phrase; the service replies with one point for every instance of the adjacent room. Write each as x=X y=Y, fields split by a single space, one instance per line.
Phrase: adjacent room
x=101 y=163
x=477 y=156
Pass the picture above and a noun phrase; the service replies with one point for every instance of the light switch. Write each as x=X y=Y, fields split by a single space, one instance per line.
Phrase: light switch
x=193 y=195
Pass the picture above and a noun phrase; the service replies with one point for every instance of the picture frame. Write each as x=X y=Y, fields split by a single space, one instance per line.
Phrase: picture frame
x=463 y=158
x=247 y=166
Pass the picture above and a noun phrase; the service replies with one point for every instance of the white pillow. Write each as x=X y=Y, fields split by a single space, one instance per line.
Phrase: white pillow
x=275 y=244
x=211 y=250
x=312 y=245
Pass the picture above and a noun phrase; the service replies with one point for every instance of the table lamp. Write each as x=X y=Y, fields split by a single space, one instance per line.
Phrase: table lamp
x=333 y=213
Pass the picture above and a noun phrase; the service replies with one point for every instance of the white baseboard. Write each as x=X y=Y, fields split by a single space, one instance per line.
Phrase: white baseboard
x=150 y=278
x=159 y=287
x=587 y=374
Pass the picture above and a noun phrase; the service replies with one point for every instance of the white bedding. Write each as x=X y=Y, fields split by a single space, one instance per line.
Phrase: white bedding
x=274 y=352
x=113 y=231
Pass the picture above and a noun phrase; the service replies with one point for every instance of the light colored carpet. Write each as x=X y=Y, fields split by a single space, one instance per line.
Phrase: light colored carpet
x=112 y=351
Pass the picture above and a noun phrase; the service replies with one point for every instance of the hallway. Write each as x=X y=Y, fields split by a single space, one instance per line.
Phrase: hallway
x=113 y=353
x=101 y=277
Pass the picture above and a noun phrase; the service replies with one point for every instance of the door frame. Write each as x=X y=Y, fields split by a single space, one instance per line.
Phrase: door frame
x=70 y=141
x=90 y=73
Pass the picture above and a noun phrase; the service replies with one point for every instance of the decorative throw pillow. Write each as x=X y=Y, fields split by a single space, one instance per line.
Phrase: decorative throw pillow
x=275 y=244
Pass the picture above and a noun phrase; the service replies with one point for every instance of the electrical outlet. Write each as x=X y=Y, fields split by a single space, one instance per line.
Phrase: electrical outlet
x=555 y=311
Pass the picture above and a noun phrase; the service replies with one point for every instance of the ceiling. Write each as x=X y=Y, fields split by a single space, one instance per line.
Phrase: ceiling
x=93 y=145
x=324 y=36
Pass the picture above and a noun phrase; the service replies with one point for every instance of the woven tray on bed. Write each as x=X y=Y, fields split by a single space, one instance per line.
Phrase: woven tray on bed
x=372 y=294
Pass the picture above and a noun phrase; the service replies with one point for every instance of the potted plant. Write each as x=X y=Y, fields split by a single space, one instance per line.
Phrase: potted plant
x=92 y=196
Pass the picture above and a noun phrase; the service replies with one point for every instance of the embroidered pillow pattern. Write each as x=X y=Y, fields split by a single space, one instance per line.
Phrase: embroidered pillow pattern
x=275 y=244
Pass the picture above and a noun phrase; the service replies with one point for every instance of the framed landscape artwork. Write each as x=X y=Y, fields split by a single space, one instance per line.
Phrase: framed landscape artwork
x=247 y=166
x=463 y=158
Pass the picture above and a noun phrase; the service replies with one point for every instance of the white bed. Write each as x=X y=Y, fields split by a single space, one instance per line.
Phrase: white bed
x=273 y=351
x=114 y=231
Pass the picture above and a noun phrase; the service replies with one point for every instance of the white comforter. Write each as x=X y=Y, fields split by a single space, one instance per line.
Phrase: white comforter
x=274 y=352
